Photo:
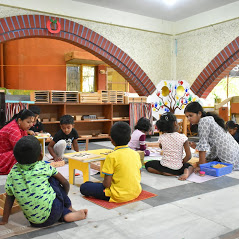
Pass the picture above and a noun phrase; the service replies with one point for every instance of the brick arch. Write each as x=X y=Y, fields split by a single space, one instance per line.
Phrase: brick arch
x=217 y=69
x=25 y=26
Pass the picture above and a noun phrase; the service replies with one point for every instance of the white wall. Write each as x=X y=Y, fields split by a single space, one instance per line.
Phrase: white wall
x=212 y=17
x=150 y=42
x=197 y=48
x=105 y=15
x=94 y=13
x=151 y=51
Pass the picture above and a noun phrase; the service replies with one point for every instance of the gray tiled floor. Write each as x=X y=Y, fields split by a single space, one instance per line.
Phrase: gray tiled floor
x=182 y=210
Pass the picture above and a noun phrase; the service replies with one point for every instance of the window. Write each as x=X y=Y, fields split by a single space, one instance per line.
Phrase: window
x=88 y=79
x=73 y=78
x=80 y=78
x=115 y=81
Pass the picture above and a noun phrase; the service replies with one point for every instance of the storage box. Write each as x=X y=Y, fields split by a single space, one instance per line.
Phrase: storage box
x=58 y=96
x=53 y=119
x=72 y=96
x=40 y=96
x=45 y=120
x=88 y=117
x=78 y=117
x=120 y=97
x=216 y=172
x=112 y=96
x=104 y=95
x=90 y=97
x=141 y=99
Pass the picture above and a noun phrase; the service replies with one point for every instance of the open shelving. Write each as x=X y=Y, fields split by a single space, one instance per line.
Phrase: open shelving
x=106 y=115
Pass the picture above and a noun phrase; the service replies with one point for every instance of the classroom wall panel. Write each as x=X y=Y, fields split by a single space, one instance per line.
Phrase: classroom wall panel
x=38 y=63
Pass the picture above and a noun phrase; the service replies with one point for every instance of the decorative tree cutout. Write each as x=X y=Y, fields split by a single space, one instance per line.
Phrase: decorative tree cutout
x=172 y=96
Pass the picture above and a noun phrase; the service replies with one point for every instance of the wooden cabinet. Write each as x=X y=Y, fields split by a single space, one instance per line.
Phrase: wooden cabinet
x=106 y=115
x=120 y=112
x=223 y=113
x=234 y=108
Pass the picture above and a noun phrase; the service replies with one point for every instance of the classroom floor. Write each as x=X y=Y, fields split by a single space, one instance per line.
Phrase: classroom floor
x=182 y=210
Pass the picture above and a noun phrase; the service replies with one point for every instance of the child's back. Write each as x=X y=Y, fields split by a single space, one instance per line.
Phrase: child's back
x=172 y=146
x=38 y=188
x=30 y=186
x=124 y=164
x=121 y=168
x=172 y=143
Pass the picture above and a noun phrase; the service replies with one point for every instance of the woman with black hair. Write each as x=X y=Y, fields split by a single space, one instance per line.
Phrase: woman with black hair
x=14 y=130
x=213 y=137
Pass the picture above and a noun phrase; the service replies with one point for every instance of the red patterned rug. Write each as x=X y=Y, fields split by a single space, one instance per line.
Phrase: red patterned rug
x=110 y=205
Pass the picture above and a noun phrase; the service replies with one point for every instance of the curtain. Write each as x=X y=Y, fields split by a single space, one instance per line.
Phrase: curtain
x=14 y=108
x=138 y=110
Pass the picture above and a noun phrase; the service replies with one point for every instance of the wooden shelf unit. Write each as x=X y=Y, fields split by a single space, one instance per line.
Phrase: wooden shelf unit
x=234 y=107
x=234 y=110
x=108 y=114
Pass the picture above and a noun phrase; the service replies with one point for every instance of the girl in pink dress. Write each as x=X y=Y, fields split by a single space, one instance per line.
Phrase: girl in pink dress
x=10 y=134
x=172 y=144
x=137 y=141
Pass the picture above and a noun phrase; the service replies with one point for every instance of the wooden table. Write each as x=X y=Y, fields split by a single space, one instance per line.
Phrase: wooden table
x=83 y=164
x=42 y=140
x=87 y=138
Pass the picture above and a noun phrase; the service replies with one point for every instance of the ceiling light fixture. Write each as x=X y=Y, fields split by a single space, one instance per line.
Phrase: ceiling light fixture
x=170 y=2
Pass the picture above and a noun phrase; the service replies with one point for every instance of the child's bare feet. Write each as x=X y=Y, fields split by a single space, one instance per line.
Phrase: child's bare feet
x=187 y=172
x=76 y=216
x=72 y=209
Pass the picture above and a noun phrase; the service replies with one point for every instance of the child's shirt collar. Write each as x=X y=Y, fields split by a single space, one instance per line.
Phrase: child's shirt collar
x=27 y=167
x=121 y=147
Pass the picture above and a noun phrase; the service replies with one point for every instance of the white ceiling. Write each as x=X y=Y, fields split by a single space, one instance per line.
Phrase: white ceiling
x=159 y=9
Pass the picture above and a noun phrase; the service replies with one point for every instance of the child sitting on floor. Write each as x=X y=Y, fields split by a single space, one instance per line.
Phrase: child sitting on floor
x=37 y=125
x=233 y=129
x=121 y=168
x=172 y=144
x=138 y=137
x=38 y=188
x=64 y=139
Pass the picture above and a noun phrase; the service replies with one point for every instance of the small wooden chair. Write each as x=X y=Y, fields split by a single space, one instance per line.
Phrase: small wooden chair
x=183 y=124
x=15 y=207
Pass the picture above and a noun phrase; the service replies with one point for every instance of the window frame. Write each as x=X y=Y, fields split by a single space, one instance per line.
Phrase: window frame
x=81 y=75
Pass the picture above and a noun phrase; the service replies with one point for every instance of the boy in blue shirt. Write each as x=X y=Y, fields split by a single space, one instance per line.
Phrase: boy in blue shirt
x=38 y=188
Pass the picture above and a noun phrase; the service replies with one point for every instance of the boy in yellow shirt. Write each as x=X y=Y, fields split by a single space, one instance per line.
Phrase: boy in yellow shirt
x=121 y=169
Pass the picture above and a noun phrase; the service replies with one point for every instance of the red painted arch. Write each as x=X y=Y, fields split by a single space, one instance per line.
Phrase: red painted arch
x=217 y=69
x=25 y=26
